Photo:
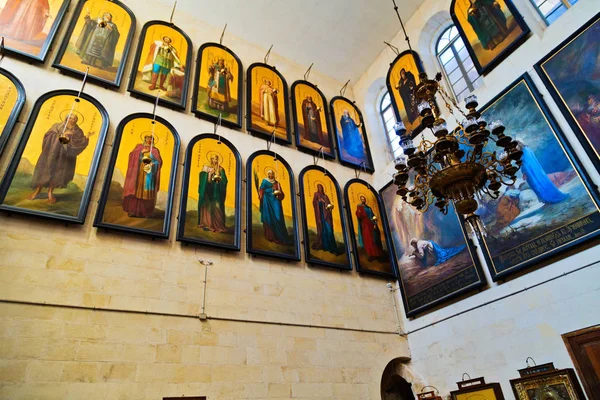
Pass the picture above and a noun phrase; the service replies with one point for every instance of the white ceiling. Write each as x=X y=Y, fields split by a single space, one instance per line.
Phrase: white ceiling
x=341 y=37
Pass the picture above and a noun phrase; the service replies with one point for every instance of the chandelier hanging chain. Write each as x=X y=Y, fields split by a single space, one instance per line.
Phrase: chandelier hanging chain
x=402 y=25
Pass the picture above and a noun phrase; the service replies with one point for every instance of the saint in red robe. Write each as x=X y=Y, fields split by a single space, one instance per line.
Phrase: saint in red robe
x=142 y=182
x=369 y=236
x=24 y=19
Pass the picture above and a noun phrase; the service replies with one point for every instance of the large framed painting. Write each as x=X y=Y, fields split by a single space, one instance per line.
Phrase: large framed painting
x=402 y=80
x=369 y=230
x=99 y=38
x=13 y=94
x=325 y=240
x=163 y=62
x=490 y=29
x=137 y=195
x=436 y=261
x=547 y=382
x=311 y=120
x=351 y=135
x=571 y=72
x=52 y=172
x=218 y=85
x=210 y=208
x=551 y=207
x=271 y=218
x=29 y=26
x=267 y=103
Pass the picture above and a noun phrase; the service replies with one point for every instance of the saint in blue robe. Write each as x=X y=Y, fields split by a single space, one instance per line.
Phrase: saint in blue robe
x=538 y=180
x=271 y=213
x=351 y=136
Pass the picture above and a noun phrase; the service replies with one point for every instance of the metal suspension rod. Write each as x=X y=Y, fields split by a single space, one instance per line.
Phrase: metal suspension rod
x=402 y=25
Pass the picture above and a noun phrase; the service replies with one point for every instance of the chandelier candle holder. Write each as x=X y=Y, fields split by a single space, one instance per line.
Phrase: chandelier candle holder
x=454 y=168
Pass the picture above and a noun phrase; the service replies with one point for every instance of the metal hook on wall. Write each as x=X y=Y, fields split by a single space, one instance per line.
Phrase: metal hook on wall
x=343 y=89
x=527 y=361
x=268 y=54
x=222 y=34
x=463 y=376
x=173 y=13
x=87 y=70
x=217 y=125
x=2 y=50
x=307 y=73
x=394 y=48
x=429 y=386
x=270 y=141
x=155 y=105
x=316 y=156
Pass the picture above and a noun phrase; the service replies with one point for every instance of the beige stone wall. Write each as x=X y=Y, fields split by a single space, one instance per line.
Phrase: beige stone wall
x=60 y=353
x=49 y=352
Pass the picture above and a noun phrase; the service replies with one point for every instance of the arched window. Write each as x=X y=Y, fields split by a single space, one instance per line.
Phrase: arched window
x=550 y=10
x=389 y=120
x=456 y=63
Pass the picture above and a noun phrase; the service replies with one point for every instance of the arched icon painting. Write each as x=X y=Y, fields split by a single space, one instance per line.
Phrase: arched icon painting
x=211 y=198
x=52 y=172
x=12 y=93
x=350 y=134
x=267 y=106
x=402 y=80
x=99 y=37
x=218 y=85
x=271 y=219
x=311 y=119
x=369 y=230
x=163 y=62
x=325 y=241
x=29 y=26
x=137 y=195
x=490 y=29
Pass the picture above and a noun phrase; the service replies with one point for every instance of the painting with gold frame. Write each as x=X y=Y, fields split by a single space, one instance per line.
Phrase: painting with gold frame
x=162 y=63
x=218 y=85
x=549 y=383
x=267 y=103
x=311 y=120
x=477 y=389
x=350 y=135
x=210 y=206
x=137 y=195
x=13 y=94
x=99 y=38
x=571 y=73
x=52 y=172
x=369 y=230
x=29 y=27
x=271 y=217
x=435 y=259
x=553 y=205
x=401 y=81
x=325 y=240
x=490 y=30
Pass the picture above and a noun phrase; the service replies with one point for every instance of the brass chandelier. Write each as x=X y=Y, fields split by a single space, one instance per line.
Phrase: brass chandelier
x=454 y=168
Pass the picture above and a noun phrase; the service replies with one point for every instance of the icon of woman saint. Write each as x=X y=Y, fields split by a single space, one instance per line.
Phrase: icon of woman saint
x=142 y=180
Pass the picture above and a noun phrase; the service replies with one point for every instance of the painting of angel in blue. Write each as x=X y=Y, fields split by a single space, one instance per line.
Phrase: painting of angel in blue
x=548 y=193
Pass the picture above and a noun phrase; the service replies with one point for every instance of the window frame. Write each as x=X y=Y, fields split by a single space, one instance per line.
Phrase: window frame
x=566 y=3
x=381 y=110
x=470 y=85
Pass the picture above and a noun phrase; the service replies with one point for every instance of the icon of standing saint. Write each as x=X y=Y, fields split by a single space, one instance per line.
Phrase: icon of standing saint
x=212 y=191
x=142 y=181
x=61 y=145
